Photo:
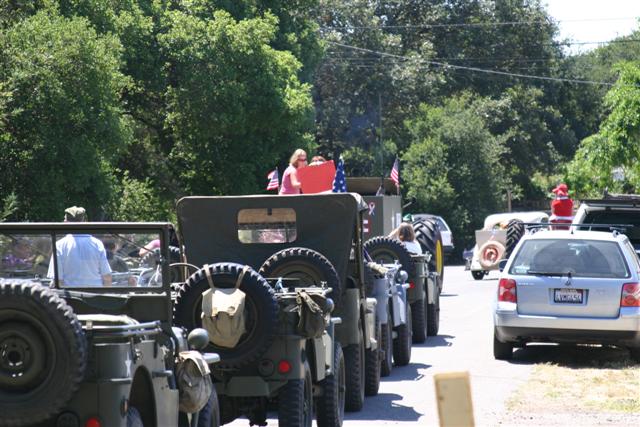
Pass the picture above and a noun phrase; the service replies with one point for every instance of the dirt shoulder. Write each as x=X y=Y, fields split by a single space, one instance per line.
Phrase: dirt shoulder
x=577 y=386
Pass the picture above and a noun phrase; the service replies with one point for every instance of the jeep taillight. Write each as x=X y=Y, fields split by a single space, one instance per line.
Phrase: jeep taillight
x=507 y=290
x=630 y=295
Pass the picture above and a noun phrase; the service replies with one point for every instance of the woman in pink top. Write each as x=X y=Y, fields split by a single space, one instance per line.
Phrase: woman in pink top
x=290 y=183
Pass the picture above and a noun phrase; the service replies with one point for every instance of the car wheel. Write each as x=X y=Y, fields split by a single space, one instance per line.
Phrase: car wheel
x=261 y=310
x=330 y=406
x=311 y=267
x=43 y=353
x=478 y=275
x=502 y=350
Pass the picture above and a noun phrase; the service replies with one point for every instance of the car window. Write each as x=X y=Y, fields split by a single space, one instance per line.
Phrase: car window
x=442 y=224
x=634 y=259
x=267 y=225
x=582 y=258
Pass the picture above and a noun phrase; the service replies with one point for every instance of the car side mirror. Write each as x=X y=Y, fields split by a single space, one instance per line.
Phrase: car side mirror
x=502 y=264
x=198 y=339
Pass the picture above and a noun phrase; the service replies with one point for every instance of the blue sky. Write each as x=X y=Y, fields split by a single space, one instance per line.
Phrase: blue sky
x=594 y=20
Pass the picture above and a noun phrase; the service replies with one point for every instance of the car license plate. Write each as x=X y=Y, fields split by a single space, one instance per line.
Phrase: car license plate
x=571 y=296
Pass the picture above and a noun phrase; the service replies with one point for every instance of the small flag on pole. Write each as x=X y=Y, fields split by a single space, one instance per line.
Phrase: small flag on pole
x=274 y=181
x=339 y=182
x=395 y=173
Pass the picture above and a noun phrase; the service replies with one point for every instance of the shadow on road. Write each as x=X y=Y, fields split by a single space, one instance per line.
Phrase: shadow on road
x=437 y=341
x=406 y=373
x=384 y=407
x=574 y=356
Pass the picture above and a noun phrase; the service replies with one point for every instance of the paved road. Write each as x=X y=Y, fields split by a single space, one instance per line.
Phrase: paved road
x=464 y=343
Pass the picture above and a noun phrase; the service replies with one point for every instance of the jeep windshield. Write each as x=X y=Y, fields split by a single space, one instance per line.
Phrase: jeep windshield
x=85 y=258
x=580 y=258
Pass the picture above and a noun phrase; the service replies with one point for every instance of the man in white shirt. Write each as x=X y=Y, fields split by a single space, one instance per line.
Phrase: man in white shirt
x=82 y=259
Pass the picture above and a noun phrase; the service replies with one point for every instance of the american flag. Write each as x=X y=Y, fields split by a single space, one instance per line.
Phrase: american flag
x=339 y=182
x=274 y=181
x=395 y=172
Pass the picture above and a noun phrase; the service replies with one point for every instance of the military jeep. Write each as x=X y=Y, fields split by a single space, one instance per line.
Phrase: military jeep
x=426 y=273
x=77 y=353
x=290 y=241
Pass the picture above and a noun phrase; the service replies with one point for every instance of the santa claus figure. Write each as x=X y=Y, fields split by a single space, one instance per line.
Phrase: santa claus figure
x=561 y=207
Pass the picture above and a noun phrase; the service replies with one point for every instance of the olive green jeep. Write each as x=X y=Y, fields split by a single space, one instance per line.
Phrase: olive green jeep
x=81 y=346
x=290 y=243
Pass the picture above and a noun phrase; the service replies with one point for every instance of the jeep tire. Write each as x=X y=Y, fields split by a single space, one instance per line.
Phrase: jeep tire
x=386 y=338
x=295 y=402
x=306 y=264
x=419 y=320
x=386 y=250
x=433 y=313
x=428 y=235
x=330 y=405
x=515 y=231
x=354 y=379
x=372 y=366
x=402 y=343
x=261 y=311
x=44 y=353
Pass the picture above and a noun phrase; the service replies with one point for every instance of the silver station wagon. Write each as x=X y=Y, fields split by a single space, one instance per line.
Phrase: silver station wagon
x=564 y=286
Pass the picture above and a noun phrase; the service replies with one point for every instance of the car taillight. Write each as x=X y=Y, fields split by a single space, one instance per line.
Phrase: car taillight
x=507 y=290
x=92 y=422
x=630 y=295
x=284 y=366
x=412 y=285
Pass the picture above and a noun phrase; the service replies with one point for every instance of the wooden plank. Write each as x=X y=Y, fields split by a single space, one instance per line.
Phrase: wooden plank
x=453 y=391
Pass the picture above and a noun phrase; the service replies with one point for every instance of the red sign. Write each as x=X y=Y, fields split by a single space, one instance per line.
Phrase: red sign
x=317 y=178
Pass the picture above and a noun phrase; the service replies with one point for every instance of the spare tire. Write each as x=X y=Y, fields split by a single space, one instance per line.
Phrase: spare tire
x=515 y=231
x=491 y=252
x=261 y=311
x=386 y=250
x=311 y=267
x=428 y=235
x=43 y=353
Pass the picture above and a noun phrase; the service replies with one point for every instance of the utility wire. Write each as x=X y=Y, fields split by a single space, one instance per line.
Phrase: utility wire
x=474 y=24
x=475 y=69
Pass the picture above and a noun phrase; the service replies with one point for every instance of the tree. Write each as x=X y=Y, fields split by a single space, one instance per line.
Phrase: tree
x=616 y=146
x=234 y=105
x=453 y=165
x=62 y=122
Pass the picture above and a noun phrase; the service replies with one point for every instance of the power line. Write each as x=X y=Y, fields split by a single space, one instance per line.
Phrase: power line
x=475 y=24
x=475 y=69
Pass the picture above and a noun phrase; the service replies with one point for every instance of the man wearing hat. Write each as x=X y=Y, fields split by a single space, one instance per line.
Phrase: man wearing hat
x=82 y=259
x=561 y=207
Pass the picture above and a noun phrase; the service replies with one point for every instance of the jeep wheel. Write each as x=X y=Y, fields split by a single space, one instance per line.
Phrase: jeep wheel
x=402 y=343
x=311 y=267
x=372 y=366
x=261 y=311
x=433 y=314
x=43 y=353
x=515 y=231
x=386 y=337
x=428 y=235
x=330 y=405
x=419 y=320
x=386 y=250
x=295 y=402
x=354 y=362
